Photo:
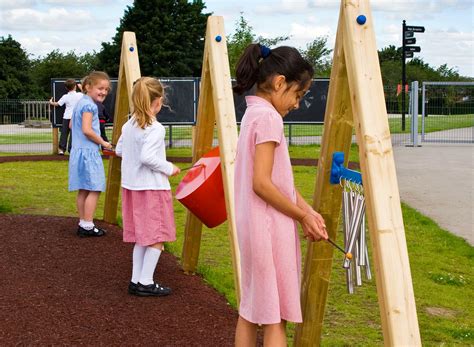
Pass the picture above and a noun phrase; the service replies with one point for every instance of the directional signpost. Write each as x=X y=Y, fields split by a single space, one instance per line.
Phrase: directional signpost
x=408 y=37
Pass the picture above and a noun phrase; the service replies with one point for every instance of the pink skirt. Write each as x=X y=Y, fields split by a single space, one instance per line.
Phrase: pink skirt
x=148 y=216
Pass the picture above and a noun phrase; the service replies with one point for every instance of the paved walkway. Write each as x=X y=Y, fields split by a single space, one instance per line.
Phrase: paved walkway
x=438 y=181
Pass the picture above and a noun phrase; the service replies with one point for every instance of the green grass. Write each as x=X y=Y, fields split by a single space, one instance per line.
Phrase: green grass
x=433 y=123
x=26 y=138
x=441 y=264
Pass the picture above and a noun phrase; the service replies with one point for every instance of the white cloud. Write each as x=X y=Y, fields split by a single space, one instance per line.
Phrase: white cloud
x=308 y=32
x=52 y=19
x=65 y=3
x=10 y=4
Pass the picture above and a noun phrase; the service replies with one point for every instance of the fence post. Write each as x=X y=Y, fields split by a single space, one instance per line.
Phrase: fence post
x=289 y=134
x=170 y=142
x=414 y=113
x=423 y=110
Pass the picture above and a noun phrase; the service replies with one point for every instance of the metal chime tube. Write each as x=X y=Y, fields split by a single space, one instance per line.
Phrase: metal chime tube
x=362 y=243
x=356 y=218
x=346 y=209
x=358 y=273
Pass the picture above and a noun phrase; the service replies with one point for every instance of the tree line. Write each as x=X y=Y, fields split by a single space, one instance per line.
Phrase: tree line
x=170 y=39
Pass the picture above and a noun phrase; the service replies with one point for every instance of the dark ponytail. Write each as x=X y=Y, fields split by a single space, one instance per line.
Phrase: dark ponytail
x=258 y=64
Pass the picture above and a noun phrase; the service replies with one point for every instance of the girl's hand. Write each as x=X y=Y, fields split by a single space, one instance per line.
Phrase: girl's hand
x=176 y=170
x=313 y=226
x=107 y=145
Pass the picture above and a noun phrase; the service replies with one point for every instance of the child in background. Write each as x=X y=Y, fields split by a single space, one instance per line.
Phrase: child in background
x=103 y=118
x=70 y=100
x=86 y=170
x=147 y=205
x=267 y=204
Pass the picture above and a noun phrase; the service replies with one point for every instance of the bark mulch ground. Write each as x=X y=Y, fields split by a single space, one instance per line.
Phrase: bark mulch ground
x=59 y=289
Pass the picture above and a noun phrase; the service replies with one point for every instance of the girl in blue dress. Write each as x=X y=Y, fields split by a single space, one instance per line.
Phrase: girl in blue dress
x=86 y=170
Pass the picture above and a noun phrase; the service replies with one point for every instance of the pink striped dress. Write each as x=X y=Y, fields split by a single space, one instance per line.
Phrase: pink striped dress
x=268 y=240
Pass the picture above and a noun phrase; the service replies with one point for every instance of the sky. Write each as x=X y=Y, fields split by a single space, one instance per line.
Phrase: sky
x=82 y=25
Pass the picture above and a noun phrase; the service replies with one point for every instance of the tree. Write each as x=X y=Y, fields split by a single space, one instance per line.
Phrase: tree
x=390 y=53
x=15 y=81
x=318 y=55
x=58 y=65
x=170 y=38
x=243 y=36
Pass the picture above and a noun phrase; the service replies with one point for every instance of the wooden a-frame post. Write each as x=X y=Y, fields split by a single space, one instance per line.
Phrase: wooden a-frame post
x=129 y=72
x=356 y=100
x=216 y=106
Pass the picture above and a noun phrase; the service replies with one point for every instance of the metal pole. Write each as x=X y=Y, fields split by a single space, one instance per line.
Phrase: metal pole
x=414 y=119
x=404 y=79
x=423 y=110
x=171 y=136
x=289 y=134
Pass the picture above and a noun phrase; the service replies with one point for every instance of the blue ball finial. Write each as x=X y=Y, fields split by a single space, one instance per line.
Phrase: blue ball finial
x=361 y=19
x=218 y=38
x=131 y=49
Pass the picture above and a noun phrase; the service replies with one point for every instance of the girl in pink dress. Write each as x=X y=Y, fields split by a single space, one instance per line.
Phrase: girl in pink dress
x=267 y=203
x=147 y=204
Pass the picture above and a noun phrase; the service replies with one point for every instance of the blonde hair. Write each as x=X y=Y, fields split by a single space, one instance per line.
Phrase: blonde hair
x=93 y=78
x=145 y=91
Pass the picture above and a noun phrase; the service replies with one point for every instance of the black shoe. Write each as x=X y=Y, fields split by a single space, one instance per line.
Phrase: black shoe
x=152 y=290
x=94 y=232
x=132 y=288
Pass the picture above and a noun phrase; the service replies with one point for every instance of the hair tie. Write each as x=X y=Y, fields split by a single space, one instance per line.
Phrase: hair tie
x=264 y=51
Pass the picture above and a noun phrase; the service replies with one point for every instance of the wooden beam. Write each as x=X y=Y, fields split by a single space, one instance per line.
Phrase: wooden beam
x=202 y=143
x=337 y=136
x=216 y=105
x=226 y=130
x=129 y=72
x=387 y=233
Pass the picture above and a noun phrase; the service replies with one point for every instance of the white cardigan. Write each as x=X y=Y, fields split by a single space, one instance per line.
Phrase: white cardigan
x=143 y=152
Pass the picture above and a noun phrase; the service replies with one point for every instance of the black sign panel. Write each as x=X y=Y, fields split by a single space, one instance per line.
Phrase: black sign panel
x=409 y=34
x=181 y=96
x=408 y=54
x=311 y=109
x=411 y=41
x=415 y=29
x=412 y=49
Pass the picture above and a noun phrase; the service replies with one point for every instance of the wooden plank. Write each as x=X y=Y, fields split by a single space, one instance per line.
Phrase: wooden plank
x=55 y=140
x=227 y=130
x=387 y=234
x=337 y=136
x=129 y=72
x=204 y=132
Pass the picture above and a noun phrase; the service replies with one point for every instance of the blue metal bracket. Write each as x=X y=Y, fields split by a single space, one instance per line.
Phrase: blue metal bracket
x=338 y=171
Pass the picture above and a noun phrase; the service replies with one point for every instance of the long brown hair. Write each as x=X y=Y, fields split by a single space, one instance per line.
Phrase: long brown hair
x=258 y=64
x=145 y=91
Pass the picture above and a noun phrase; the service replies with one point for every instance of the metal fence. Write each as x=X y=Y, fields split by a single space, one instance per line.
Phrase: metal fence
x=444 y=114
x=447 y=112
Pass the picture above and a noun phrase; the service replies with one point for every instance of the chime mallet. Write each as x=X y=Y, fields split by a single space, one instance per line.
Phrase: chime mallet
x=348 y=254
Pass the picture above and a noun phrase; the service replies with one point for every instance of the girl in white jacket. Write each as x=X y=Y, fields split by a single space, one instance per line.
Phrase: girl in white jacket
x=147 y=206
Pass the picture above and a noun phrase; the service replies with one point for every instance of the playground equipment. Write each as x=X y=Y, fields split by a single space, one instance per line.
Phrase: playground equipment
x=356 y=101
x=202 y=191
x=129 y=72
x=216 y=107
x=353 y=213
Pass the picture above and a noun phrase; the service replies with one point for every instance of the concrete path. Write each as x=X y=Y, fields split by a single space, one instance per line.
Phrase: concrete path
x=438 y=181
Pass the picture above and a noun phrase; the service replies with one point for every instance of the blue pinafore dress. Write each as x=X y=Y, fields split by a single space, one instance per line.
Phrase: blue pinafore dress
x=86 y=169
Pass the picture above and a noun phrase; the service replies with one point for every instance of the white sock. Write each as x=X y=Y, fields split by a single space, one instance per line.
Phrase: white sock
x=87 y=225
x=152 y=255
x=81 y=222
x=138 y=254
